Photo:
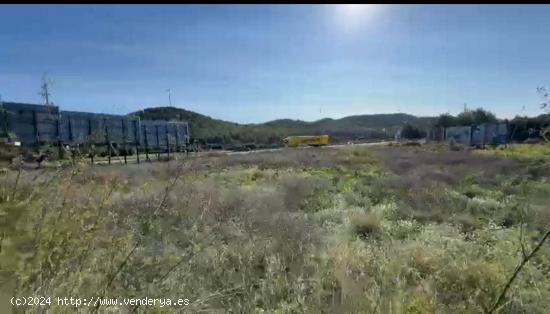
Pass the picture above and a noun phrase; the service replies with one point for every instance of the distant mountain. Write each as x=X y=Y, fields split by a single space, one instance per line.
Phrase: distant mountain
x=209 y=130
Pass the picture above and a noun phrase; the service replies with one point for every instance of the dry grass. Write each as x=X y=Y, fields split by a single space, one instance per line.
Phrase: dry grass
x=365 y=225
x=393 y=230
x=423 y=167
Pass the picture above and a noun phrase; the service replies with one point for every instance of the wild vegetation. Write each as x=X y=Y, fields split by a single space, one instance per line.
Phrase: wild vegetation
x=317 y=230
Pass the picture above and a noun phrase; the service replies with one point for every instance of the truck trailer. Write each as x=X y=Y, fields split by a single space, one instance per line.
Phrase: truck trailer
x=310 y=140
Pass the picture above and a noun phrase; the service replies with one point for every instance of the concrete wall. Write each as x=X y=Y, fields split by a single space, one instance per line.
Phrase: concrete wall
x=34 y=124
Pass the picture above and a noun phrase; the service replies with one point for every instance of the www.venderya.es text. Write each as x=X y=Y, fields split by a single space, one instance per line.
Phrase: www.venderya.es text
x=97 y=301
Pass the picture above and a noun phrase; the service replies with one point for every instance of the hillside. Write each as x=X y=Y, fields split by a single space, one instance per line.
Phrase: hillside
x=209 y=130
x=201 y=126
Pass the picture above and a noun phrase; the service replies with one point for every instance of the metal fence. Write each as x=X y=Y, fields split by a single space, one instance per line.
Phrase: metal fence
x=38 y=124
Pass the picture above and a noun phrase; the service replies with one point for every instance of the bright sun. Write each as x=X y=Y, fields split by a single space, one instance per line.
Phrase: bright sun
x=352 y=16
x=355 y=9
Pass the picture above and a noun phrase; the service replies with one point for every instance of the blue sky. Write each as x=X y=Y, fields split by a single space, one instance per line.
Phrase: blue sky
x=253 y=63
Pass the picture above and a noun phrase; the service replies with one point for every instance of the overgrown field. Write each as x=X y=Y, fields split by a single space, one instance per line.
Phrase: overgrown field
x=349 y=230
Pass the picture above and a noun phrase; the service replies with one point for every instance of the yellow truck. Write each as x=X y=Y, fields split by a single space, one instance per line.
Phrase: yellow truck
x=311 y=140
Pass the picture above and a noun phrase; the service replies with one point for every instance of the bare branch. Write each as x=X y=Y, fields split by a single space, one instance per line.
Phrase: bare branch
x=524 y=261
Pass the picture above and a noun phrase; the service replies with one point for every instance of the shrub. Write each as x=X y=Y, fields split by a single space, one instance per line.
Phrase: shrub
x=306 y=193
x=426 y=262
x=276 y=234
x=365 y=225
x=421 y=303
x=472 y=284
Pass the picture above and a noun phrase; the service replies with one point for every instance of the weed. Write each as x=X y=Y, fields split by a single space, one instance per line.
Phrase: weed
x=365 y=225
x=402 y=229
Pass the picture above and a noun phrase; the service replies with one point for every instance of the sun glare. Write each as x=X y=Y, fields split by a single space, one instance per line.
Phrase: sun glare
x=352 y=16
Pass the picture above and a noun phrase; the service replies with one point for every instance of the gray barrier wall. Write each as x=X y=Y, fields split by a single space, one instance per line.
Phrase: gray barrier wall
x=482 y=134
x=459 y=134
x=37 y=124
x=490 y=133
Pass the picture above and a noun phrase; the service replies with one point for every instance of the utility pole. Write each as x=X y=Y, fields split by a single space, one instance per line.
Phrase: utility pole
x=169 y=97
x=44 y=92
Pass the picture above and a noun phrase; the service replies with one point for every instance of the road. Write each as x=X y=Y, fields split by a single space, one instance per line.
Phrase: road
x=181 y=156
x=305 y=147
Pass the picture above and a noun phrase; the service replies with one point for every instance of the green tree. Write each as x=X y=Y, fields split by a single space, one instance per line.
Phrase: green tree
x=477 y=116
x=543 y=92
x=446 y=120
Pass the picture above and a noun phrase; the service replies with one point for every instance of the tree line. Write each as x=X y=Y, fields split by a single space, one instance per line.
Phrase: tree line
x=521 y=127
